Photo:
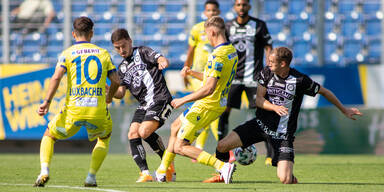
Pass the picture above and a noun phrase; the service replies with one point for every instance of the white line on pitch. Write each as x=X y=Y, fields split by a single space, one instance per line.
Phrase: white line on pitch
x=63 y=186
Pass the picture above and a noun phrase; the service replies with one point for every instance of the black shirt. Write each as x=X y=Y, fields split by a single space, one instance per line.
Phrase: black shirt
x=249 y=39
x=140 y=74
x=286 y=92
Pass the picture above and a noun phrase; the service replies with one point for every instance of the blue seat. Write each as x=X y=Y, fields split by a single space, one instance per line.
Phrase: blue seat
x=346 y=6
x=150 y=28
x=271 y=6
x=351 y=49
x=174 y=30
x=374 y=49
x=100 y=8
x=371 y=7
x=296 y=6
x=349 y=28
x=373 y=27
x=169 y=7
x=301 y=48
x=226 y=6
x=77 y=7
x=329 y=48
x=274 y=27
x=149 y=7
x=298 y=27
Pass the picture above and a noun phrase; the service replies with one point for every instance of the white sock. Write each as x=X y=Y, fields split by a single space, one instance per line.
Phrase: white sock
x=44 y=169
x=146 y=172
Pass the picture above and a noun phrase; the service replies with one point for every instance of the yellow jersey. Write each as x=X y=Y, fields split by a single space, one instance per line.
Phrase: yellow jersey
x=222 y=64
x=203 y=48
x=87 y=67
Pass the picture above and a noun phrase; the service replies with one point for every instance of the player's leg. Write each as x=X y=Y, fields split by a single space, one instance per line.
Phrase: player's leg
x=46 y=153
x=169 y=154
x=99 y=153
x=268 y=158
x=283 y=158
x=147 y=132
x=202 y=138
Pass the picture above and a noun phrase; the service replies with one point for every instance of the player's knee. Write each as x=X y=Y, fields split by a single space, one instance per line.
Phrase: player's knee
x=285 y=179
x=144 y=133
x=222 y=147
x=133 y=135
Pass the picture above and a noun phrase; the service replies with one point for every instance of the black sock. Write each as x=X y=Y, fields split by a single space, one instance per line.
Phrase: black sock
x=223 y=125
x=269 y=149
x=138 y=153
x=157 y=145
x=222 y=156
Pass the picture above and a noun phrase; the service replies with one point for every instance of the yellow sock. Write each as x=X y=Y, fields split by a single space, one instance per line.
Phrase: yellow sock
x=202 y=138
x=208 y=159
x=98 y=154
x=167 y=159
x=215 y=128
x=46 y=151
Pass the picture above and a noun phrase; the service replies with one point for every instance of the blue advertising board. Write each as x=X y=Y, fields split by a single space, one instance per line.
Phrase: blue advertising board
x=20 y=98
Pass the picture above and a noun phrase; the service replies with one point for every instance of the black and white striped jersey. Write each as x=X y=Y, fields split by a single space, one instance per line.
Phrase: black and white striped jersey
x=286 y=92
x=140 y=74
x=249 y=39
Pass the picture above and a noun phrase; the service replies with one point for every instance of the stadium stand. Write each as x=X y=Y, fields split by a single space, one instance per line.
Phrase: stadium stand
x=351 y=28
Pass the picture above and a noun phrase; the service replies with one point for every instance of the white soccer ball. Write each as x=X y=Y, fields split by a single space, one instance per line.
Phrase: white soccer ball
x=245 y=156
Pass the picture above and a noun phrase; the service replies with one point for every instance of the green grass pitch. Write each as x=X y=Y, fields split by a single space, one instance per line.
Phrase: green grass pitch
x=119 y=173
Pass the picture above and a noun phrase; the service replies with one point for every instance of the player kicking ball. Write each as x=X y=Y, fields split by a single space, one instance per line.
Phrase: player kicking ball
x=211 y=101
x=279 y=95
x=140 y=73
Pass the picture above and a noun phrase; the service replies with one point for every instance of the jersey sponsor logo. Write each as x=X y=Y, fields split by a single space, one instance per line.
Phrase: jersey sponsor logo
x=232 y=55
x=86 y=102
x=123 y=68
x=273 y=134
x=290 y=87
x=135 y=74
x=279 y=92
x=86 y=51
x=218 y=66
x=286 y=150
x=278 y=84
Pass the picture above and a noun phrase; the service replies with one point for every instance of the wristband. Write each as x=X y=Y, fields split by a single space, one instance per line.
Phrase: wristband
x=48 y=100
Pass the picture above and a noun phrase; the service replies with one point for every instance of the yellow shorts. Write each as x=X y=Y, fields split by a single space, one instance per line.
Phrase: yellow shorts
x=63 y=126
x=193 y=120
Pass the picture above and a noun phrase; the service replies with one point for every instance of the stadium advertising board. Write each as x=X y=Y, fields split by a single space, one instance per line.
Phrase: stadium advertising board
x=19 y=100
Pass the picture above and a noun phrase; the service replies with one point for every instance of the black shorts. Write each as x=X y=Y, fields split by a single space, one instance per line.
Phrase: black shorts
x=234 y=96
x=159 y=111
x=250 y=132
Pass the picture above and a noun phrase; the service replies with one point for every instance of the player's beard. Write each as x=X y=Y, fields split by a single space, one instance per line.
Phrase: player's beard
x=243 y=15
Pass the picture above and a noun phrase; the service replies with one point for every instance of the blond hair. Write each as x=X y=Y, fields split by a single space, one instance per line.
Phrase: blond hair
x=217 y=22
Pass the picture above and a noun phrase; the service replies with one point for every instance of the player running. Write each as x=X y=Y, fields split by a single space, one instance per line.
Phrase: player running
x=140 y=73
x=211 y=100
x=87 y=67
x=197 y=57
x=279 y=96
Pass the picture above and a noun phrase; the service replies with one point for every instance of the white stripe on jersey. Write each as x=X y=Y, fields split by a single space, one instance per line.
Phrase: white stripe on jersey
x=283 y=123
x=148 y=82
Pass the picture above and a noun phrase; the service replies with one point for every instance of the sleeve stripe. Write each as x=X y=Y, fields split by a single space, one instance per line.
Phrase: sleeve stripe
x=110 y=71
x=63 y=67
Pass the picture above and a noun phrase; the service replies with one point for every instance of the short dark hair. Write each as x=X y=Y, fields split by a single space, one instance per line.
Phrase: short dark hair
x=283 y=54
x=82 y=26
x=120 y=34
x=214 y=2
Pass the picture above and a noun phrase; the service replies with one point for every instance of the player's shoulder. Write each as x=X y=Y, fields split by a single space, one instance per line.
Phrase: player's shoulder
x=198 y=26
x=294 y=72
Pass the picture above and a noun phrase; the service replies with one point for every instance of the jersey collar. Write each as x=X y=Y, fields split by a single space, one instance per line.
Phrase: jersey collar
x=79 y=42
x=226 y=43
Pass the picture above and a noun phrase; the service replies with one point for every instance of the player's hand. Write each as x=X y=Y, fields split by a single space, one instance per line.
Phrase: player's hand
x=176 y=103
x=184 y=72
x=162 y=65
x=186 y=82
x=108 y=100
x=43 y=108
x=351 y=112
x=281 y=110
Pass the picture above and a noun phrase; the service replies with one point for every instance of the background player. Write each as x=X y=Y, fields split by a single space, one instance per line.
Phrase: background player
x=197 y=57
x=210 y=102
x=87 y=67
x=279 y=96
x=140 y=73
x=250 y=37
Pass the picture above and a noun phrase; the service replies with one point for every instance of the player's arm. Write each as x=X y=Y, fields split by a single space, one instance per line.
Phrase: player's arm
x=265 y=104
x=195 y=74
x=348 y=112
x=53 y=85
x=208 y=88
x=163 y=62
x=188 y=61
x=115 y=82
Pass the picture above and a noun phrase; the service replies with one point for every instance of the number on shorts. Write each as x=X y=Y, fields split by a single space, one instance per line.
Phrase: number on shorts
x=166 y=112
